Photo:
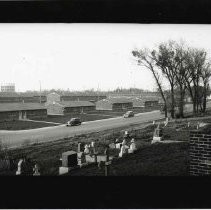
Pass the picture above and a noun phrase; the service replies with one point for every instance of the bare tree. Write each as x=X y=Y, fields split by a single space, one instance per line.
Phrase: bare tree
x=165 y=60
x=181 y=74
x=205 y=75
x=146 y=59
x=195 y=65
x=186 y=69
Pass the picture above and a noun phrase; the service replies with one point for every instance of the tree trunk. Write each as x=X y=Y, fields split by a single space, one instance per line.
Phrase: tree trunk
x=204 y=104
x=205 y=98
x=160 y=89
x=165 y=109
x=181 y=104
x=192 y=96
x=196 y=100
x=172 y=102
x=194 y=106
x=197 y=94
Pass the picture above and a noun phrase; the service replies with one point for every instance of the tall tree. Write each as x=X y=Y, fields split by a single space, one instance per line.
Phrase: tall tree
x=145 y=58
x=186 y=69
x=195 y=63
x=180 y=74
x=165 y=60
x=205 y=75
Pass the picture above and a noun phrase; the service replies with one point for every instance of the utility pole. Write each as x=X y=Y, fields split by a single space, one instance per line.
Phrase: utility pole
x=40 y=91
x=98 y=92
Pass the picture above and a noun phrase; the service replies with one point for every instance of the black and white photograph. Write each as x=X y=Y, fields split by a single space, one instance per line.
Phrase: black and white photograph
x=105 y=99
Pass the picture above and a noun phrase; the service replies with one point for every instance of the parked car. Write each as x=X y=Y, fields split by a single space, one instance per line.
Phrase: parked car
x=74 y=121
x=128 y=114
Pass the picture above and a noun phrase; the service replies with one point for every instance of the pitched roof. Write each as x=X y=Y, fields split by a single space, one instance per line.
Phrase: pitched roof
x=118 y=100
x=150 y=98
x=29 y=94
x=4 y=107
x=137 y=101
x=16 y=95
x=75 y=103
x=82 y=94
x=8 y=94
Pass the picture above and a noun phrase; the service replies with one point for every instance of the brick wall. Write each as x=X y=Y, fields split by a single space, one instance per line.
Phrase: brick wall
x=200 y=153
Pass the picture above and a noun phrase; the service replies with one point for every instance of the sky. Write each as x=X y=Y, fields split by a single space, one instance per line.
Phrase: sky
x=84 y=56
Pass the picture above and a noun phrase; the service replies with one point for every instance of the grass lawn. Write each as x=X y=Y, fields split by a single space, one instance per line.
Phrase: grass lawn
x=22 y=125
x=151 y=160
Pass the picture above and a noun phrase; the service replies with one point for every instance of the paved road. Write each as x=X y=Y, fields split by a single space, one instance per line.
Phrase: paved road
x=18 y=138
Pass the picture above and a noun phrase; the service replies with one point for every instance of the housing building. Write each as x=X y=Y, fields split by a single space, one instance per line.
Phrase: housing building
x=9 y=87
x=91 y=98
x=69 y=107
x=114 y=104
x=71 y=97
x=131 y=94
x=53 y=97
x=145 y=102
x=6 y=97
x=151 y=103
x=12 y=111
x=127 y=103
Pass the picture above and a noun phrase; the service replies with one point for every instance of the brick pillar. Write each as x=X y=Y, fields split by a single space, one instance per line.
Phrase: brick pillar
x=200 y=153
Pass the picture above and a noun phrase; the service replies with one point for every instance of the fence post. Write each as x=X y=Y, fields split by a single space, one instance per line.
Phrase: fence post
x=107 y=163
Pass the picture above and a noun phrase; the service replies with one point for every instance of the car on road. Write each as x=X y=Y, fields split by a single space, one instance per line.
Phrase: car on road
x=128 y=114
x=74 y=121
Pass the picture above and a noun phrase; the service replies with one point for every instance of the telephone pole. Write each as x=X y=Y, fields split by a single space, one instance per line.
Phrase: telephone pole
x=98 y=92
x=40 y=91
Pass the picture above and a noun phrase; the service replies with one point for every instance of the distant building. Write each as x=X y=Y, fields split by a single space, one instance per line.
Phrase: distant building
x=121 y=103
x=142 y=94
x=71 y=97
x=53 y=97
x=145 y=102
x=114 y=104
x=69 y=107
x=9 y=87
x=12 y=111
x=150 y=103
x=91 y=98
x=10 y=97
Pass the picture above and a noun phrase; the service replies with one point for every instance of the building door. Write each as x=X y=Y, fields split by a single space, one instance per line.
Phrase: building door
x=123 y=107
x=24 y=115
x=20 y=115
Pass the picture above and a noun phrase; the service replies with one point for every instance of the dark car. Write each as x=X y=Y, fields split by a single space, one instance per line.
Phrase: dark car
x=128 y=114
x=74 y=121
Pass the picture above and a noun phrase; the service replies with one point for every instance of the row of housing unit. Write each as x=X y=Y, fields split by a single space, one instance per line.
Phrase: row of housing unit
x=11 y=97
x=60 y=105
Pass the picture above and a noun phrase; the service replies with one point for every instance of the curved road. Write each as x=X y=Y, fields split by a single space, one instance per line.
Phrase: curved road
x=18 y=138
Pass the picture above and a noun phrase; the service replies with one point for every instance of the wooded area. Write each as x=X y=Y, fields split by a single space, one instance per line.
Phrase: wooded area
x=187 y=71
